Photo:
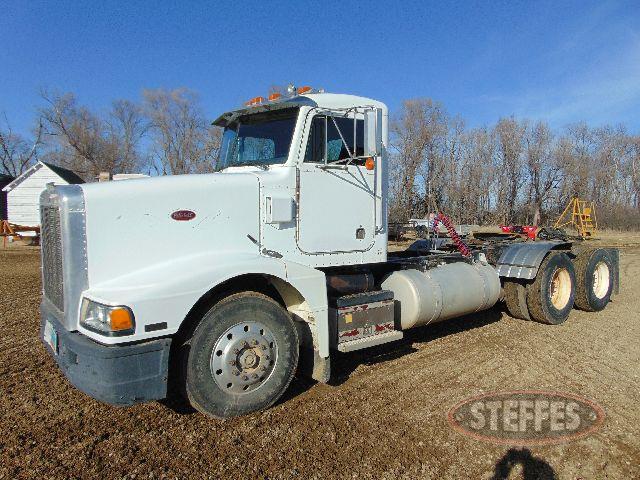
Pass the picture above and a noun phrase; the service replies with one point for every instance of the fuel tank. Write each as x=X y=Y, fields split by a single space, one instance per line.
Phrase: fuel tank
x=442 y=292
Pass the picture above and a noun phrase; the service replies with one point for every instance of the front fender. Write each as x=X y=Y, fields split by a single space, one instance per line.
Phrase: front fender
x=166 y=292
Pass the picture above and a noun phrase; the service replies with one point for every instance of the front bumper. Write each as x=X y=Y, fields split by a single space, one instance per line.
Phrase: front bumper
x=115 y=374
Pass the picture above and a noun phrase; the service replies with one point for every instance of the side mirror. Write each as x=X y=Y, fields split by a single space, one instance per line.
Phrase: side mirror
x=373 y=132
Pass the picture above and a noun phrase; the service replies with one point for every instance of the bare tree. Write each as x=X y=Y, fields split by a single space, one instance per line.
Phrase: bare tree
x=417 y=130
x=182 y=140
x=16 y=153
x=514 y=171
x=578 y=167
x=89 y=144
x=635 y=170
x=211 y=150
x=126 y=126
x=477 y=176
x=509 y=134
x=544 y=169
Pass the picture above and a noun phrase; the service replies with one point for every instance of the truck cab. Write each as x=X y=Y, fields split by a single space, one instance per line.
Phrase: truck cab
x=227 y=284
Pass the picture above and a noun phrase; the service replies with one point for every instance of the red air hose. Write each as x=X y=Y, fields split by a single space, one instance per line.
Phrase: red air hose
x=460 y=245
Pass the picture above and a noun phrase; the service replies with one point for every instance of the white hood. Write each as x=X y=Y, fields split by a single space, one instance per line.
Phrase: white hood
x=130 y=226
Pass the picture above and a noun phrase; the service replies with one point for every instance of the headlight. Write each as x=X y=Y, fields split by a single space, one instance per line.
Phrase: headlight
x=106 y=320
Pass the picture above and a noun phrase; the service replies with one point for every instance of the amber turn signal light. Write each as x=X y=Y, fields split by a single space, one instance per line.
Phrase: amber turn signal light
x=370 y=163
x=274 y=96
x=302 y=90
x=121 y=319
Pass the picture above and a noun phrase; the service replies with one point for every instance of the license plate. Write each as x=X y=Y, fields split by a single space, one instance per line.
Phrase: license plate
x=51 y=337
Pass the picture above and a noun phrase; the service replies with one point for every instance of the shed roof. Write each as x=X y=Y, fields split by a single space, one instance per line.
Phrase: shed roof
x=64 y=173
x=5 y=180
x=68 y=175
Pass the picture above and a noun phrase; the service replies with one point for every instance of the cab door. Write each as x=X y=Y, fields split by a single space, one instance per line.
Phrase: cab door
x=337 y=193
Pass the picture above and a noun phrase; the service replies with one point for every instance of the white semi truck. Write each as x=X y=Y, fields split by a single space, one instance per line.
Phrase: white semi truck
x=225 y=285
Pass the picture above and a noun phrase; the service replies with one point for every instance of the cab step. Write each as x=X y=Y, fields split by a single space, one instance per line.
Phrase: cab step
x=371 y=341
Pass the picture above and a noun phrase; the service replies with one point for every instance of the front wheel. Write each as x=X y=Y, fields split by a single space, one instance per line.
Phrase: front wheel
x=242 y=356
x=551 y=295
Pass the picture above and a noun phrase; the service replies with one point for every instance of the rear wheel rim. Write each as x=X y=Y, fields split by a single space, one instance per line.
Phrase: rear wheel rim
x=243 y=358
x=560 y=288
x=601 y=279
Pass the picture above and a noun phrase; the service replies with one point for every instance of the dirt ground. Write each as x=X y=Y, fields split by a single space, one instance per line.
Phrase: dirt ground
x=384 y=417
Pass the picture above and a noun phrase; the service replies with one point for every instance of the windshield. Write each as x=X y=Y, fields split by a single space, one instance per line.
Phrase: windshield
x=258 y=139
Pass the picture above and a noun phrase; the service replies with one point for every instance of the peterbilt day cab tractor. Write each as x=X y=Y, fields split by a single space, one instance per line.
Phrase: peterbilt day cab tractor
x=225 y=285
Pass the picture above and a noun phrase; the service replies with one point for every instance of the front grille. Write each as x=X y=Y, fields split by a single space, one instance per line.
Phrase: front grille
x=52 y=255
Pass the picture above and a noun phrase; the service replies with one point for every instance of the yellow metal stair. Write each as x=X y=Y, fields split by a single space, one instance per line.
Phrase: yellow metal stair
x=581 y=215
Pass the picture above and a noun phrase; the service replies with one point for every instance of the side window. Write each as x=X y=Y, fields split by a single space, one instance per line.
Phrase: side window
x=337 y=137
x=315 y=145
x=339 y=140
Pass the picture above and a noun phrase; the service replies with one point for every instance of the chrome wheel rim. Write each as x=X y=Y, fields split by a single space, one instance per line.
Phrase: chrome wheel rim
x=244 y=357
x=560 y=288
x=601 y=278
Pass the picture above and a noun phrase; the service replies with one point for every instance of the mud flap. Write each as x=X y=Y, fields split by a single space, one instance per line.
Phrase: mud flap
x=312 y=365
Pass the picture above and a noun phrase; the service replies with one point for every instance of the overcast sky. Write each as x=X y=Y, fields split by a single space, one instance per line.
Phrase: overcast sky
x=561 y=61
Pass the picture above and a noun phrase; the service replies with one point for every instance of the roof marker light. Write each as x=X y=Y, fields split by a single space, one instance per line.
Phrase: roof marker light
x=274 y=96
x=305 y=89
x=254 y=101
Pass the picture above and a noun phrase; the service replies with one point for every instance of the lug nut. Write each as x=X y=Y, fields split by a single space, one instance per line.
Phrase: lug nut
x=255 y=342
x=264 y=347
x=245 y=344
x=245 y=378
x=267 y=357
x=264 y=369
x=254 y=376
x=232 y=362
x=236 y=373
x=236 y=351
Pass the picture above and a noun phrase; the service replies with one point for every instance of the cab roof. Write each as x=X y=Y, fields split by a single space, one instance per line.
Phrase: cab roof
x=321 y=100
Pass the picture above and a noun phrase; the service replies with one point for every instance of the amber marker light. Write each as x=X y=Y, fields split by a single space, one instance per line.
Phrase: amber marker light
x=302 y=90
x=121 y=319
x=370 y=163
x=274 y=96
x=254 y=101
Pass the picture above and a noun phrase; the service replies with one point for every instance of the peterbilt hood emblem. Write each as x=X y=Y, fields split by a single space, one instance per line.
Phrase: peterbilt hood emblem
x=183 y=215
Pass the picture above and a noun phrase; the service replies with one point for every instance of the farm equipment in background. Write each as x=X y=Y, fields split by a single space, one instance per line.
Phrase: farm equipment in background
x=528 y=231
x=12 y=230
x=581 y=215
x=397 y=231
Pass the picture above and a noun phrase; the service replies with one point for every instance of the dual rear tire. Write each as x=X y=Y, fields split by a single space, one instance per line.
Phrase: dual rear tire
x=594 y=273
x=560 y=284
x=551 y=295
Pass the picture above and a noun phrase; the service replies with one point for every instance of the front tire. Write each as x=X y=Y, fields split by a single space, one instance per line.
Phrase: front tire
x=242 y=356
x=551 y=295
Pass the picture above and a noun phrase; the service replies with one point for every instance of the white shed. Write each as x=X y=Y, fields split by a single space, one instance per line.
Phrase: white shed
x=23 y=194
